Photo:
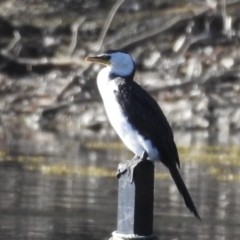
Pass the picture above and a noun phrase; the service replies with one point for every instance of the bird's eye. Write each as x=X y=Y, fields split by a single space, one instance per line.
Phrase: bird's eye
x=107 y=57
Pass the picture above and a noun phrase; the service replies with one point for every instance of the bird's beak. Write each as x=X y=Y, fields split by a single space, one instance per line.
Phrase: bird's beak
x=99 y=59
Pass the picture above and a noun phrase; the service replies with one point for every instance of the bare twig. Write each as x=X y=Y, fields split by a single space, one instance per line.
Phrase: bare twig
x=12 y=44
x=63 y=105
x=191 y=67
x=107 y=23
x=64 y=61
x=75 y=28
x=188 y=44
x=72 y=83
x=61 y=61
x=227 y=20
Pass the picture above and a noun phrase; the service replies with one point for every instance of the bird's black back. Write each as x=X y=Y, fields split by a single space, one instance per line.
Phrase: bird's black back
x=145 y=115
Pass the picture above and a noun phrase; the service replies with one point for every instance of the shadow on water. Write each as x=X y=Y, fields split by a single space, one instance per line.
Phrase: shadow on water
x=57 y=187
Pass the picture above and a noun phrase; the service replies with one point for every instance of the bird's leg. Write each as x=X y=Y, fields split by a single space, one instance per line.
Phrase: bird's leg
x=122 y=167
x=144 y=156
x=134 y=158
x=130 y=165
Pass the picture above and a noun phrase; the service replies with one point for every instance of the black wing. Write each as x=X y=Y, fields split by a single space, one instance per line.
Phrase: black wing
x=147 y=117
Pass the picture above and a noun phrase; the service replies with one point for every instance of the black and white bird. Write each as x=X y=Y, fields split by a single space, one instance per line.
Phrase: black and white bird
x=136 y=116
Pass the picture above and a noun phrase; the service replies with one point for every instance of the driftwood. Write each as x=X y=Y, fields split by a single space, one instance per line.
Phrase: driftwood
x=180 y=34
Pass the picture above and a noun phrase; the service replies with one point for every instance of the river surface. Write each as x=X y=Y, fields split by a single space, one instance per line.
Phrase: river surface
x=62 y=186
x=55 y=187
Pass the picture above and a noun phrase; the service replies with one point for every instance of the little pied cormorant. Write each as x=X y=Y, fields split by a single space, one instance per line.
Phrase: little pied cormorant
x=137 y=118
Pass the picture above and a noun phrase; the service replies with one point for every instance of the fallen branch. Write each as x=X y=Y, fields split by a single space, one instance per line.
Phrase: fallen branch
x=75 y=28
x=12 y=44
x=201 y=81
x=166 y=26
x=63 y=61
x=63 y=105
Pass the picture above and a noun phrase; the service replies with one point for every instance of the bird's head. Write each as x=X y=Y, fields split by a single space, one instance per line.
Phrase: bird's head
x=120 y=63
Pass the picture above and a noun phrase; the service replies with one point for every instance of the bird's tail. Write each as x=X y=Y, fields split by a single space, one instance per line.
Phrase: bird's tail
x=183 y=190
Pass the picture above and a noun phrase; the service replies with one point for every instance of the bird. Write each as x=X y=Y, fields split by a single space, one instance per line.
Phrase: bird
x=137 y=118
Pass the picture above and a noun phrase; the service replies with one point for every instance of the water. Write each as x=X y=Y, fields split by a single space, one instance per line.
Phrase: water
x=57 y=187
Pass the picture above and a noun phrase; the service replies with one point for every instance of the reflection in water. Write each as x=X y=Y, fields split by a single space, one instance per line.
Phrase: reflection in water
x=56 y=189
x=36 y=206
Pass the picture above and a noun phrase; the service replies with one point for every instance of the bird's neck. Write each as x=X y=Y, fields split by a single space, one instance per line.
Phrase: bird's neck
x=103 y=76
x=107 y=75
x=103 y=80
x=114 y=72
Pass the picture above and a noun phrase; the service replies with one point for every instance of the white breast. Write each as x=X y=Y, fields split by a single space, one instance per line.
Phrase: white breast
x=130 y=137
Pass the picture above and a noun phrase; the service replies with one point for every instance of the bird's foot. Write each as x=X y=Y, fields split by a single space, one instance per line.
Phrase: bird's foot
x=130 y=165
